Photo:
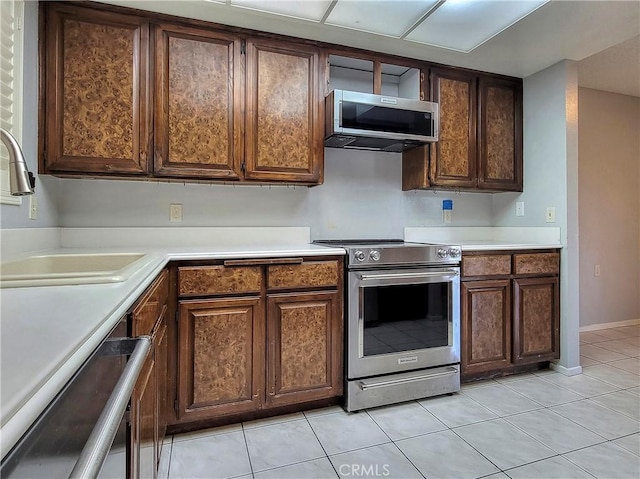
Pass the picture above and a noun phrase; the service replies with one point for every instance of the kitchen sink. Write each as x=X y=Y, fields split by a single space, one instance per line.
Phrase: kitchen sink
x=61 y=269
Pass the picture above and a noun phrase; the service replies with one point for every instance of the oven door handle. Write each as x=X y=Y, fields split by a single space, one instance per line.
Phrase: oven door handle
x=392 y=382
x=417 y=275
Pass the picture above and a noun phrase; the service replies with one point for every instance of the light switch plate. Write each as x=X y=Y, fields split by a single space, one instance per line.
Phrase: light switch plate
x=33 y=207
x=550 y=214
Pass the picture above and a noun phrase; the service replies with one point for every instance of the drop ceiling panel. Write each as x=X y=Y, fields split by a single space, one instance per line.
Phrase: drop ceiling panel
x=463 y=25
x=390 y=18
x=307 y=9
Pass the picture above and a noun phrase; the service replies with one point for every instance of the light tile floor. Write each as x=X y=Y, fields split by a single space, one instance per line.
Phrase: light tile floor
x=541 y=425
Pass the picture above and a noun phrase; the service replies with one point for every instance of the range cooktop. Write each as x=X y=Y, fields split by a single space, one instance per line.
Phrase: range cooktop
x=394 y=252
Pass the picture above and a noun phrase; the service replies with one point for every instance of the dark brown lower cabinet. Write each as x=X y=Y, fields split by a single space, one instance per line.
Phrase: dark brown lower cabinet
x=220 y=357
x=161 y=366
x=303 y=363
x=149 y=399
x=486 y=325
x=144 y=429
x=510 y=313
x=257 y=335
x=536 y=325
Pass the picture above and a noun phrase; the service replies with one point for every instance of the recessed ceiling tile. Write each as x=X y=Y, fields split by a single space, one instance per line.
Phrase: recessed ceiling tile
x=466 y=24
x=390 y=18
x=304 y=9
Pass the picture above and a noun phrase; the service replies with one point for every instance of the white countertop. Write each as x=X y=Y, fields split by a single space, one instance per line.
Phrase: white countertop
x=47 y=332
x=487 y=238
x=492 y=245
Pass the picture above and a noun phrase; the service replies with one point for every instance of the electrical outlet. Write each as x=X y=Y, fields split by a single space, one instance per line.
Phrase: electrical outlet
x=175 y=213
x=596 y=270
x=446 y=216
x=550 y=214
x=33 y=207
x=520 y=208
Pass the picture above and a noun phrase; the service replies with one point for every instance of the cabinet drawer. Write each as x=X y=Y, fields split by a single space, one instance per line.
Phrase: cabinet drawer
x=305 y=275
x=203 y=280
x=537 y=263
x=151 y=306
x=486 y=265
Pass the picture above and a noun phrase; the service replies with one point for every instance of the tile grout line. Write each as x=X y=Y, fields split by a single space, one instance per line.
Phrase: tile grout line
x=246 y=446
x=321 y=445
x=394 y=442
x=170 y=457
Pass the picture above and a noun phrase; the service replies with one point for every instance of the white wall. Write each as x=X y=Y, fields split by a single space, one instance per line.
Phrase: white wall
x=361 y=197
x=46 y=187
x=609 y=186
x=550 y=179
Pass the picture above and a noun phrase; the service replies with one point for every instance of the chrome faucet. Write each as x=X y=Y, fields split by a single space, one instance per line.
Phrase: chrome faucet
x=21 y=180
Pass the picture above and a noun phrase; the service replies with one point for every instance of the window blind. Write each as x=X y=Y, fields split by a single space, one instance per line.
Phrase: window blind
x=11 y=33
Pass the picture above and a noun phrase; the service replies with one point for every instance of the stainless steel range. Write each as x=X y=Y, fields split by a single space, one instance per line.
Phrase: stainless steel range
x=402 y=321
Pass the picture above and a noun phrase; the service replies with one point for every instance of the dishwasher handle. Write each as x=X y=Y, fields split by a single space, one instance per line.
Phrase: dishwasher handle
x=97 y=447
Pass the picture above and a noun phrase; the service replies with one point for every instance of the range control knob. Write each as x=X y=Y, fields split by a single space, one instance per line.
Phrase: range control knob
x=359 y=256
x=454 y=252
x=374 y=255
x=442 y=253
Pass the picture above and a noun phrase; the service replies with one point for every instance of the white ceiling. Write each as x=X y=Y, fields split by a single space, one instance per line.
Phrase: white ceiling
x=603 y=36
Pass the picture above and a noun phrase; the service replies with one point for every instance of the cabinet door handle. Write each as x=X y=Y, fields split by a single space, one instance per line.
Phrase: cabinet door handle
x=258 y=261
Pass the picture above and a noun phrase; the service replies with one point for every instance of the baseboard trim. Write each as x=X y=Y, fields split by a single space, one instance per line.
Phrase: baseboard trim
x=616 y=324
x=566 y=371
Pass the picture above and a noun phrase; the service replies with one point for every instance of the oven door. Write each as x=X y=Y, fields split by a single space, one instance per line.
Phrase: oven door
x=402 y=319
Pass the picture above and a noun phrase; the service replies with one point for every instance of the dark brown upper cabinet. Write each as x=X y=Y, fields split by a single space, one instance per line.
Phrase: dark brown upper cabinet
x=453 y=157
x=126 y=93
x=480 y=139
x=500 y=134
x=198 y=110
x=97 y=107
x=284 y=113
x=213 y=122
x=224 y=106
x=376 y=74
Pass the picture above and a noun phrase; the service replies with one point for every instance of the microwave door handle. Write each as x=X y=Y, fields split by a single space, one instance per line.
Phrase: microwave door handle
x=424 y=274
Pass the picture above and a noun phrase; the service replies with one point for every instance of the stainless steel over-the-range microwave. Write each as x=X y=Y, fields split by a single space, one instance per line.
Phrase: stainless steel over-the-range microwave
x=378 y=122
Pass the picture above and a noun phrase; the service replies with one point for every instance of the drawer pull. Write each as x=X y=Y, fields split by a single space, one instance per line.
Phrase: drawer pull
x=258 y=262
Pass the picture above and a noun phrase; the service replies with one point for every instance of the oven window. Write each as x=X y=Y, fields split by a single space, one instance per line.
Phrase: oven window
x=405 y=318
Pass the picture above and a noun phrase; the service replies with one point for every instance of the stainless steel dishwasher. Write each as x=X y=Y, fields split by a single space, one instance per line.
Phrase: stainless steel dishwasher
x=83 y=431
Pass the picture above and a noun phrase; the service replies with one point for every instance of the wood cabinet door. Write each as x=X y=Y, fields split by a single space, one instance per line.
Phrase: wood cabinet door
x=453 y=157
x=220 y=358
x=151 y=307
x=161 y=371
x=500 y=130
x=97 y=112
x=198 y=111
x=485 y=325
x=304 y=347
x=144 y=413
x=284 y=118
x=536 y=319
